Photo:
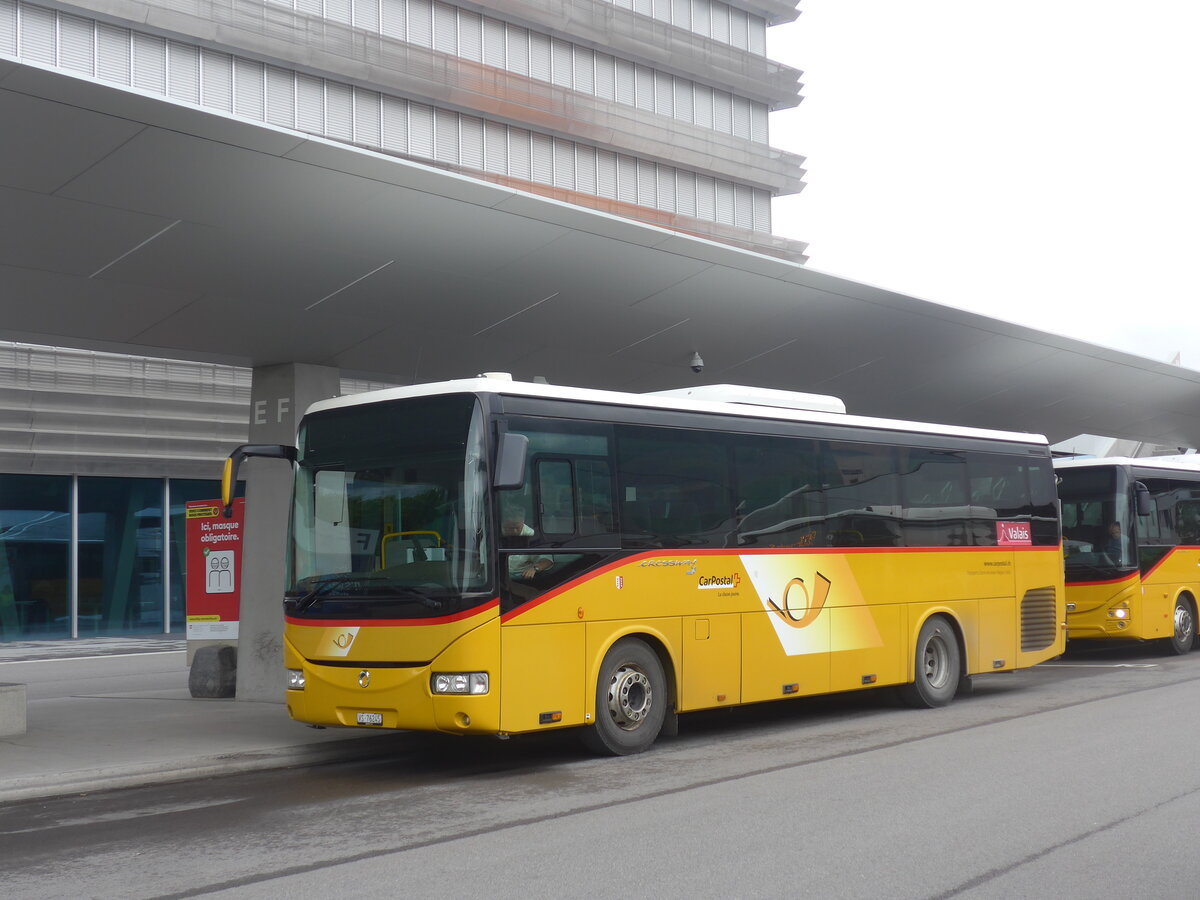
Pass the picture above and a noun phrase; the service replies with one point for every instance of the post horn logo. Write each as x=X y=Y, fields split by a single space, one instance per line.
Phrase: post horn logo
x=344 y=639
x=798 y=608
x=364 y=679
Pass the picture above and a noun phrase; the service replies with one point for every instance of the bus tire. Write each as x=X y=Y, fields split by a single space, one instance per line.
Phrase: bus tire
x=1183 y=626
x=938 y=666
x=631 y=700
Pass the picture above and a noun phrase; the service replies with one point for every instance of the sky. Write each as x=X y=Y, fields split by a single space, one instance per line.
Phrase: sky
x=1033 y=160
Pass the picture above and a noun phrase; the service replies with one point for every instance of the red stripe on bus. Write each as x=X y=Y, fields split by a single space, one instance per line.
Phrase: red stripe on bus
x=1132 y=577
x=394 y=623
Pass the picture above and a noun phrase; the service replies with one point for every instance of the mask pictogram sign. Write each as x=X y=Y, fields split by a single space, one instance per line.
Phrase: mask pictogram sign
x=214 y=564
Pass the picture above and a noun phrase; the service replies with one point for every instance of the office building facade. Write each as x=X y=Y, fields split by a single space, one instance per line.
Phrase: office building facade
x=652 y=109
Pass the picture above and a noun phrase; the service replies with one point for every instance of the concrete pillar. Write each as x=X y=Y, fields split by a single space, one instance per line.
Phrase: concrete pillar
x=278 y=397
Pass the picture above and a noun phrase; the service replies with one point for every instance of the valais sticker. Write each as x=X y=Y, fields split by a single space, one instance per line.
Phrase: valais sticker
x=1013 y=534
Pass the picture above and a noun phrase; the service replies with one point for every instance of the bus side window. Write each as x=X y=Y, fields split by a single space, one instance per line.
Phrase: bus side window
x=778 y=501
x=1006 y=488
x=569 y=487
x=593 y=492
x=933 y=490
x=1187 y=523
x=556 y=512
x=861 y=494
x=675 y=489
x=1158 y=528
x=1148 y=527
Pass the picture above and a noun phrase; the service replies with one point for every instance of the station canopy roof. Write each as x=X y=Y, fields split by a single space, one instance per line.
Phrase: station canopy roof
x=133 y=224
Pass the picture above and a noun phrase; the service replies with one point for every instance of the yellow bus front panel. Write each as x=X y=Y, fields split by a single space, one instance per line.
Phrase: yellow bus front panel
x=1139 y=606
x=371 y=675
x=1105 y=609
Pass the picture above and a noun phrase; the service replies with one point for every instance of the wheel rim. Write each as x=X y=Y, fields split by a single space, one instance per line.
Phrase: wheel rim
x=1183 y=623
x=629 y=697
x=936 y=661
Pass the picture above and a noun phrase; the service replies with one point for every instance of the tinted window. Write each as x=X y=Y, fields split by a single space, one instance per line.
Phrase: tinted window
x=1043 y=503
x=567 y=500
x=1187 y=518
x=674 y=488
x=862 y=496
x=1011 y=489
x=777 y=492
x=933 y=488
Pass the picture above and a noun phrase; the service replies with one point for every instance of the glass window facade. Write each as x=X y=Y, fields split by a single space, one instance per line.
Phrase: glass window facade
x=87 y=556
x=35 y=558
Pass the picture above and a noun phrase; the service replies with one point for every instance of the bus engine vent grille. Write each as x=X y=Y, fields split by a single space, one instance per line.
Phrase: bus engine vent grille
x=1039 y=619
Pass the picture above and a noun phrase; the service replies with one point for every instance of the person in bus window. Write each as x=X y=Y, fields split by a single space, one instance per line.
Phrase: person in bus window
x=521 y=565
x=1116 y=547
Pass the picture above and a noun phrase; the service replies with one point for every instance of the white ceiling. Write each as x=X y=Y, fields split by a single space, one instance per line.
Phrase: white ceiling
x=133 y=224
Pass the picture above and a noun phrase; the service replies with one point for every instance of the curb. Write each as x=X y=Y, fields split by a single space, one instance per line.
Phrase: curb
x=89 y=781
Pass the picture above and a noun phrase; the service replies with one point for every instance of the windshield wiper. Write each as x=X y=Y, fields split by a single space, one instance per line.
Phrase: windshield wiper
x=380 y=591
x=326 y=586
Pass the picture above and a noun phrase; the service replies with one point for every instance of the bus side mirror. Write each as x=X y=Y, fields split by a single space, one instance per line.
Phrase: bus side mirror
x=510 y=461
x=229 y=475
x=1141 y=499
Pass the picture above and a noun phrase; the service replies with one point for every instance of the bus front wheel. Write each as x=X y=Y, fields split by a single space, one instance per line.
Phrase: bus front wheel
x=631 y=700
x=938 y=666
x=1183 y=631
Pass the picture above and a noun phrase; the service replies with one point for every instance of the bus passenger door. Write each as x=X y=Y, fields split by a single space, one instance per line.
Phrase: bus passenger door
x=712 y=661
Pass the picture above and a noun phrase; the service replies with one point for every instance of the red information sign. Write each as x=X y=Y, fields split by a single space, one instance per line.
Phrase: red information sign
x=214 y=563
x=1013 y=534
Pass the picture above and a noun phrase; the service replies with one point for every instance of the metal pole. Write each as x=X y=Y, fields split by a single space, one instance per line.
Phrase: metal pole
x=165 y=550
x=73 y=560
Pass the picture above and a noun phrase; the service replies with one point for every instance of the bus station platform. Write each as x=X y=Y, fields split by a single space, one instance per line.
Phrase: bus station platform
x=108 y=713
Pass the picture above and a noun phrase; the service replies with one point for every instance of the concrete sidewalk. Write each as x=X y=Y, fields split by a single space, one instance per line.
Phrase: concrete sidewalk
x=114 y=713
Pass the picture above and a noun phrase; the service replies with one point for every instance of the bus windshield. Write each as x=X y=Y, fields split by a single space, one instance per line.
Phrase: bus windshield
x=388 y=513
x=1096 y=518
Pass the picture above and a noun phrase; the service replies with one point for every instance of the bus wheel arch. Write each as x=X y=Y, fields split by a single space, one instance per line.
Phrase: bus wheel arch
x=635 y=697
x=938 y=664
x=1183 y=624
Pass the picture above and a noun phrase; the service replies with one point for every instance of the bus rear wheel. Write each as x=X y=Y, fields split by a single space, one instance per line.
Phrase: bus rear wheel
x=1183 y=632
x=938 y=666
x=631 y=700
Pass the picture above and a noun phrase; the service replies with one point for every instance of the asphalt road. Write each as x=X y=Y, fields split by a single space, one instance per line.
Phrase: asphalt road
x=1075 y=779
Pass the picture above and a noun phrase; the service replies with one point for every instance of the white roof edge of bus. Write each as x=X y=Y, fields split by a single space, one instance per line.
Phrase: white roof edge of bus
x=496 y=383
x=755 y=396
x=1182 y=462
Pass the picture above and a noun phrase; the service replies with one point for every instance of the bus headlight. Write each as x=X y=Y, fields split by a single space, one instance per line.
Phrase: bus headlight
x=1119 y=613
x=459 y=682
x=295 y=679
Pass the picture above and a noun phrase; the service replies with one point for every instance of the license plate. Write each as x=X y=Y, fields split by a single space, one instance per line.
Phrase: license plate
x=370 y=718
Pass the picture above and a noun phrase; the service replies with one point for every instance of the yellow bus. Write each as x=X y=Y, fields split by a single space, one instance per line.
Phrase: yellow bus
x=484 y=556
x=1131 y=544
